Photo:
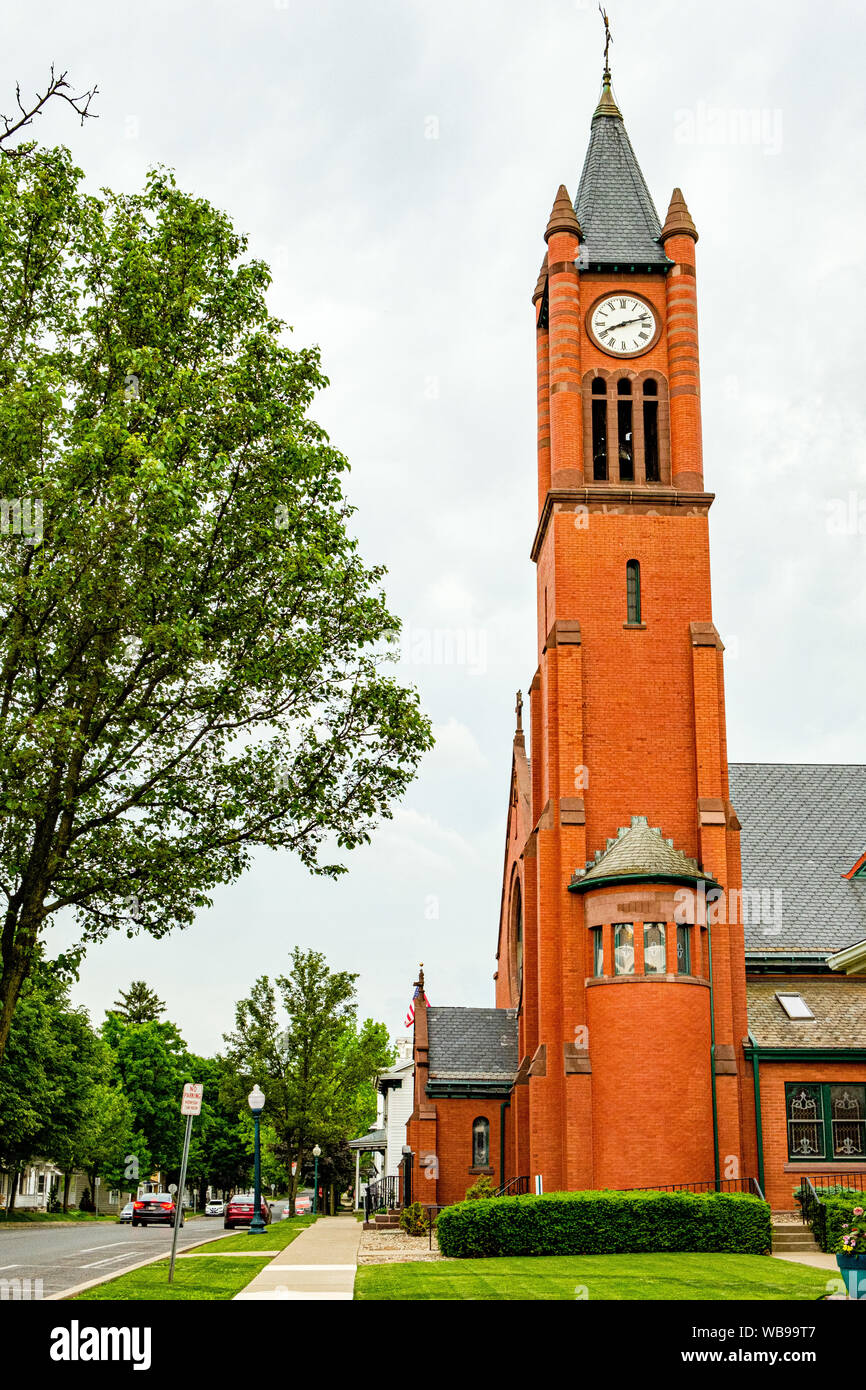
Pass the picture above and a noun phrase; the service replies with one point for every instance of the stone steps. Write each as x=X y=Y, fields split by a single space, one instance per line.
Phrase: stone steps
x=387 y=1221
x=794 y=1238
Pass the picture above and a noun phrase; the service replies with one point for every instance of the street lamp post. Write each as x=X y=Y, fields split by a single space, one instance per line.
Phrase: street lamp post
x=317 y=1154
x=256 y=1102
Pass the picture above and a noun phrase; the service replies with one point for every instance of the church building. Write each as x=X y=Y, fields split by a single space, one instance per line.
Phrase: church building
x=680 y=993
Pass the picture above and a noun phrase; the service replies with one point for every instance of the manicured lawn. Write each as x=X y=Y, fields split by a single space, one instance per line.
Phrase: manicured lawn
x=201 y=1278
x=599 y=1278
x=276 y=1237
x=193 y=1279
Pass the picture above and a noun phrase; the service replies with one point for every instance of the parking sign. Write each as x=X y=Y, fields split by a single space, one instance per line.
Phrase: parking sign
x=191 y=1102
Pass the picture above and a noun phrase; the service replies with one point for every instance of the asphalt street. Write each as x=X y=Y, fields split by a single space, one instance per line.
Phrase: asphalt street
x=65 y=1256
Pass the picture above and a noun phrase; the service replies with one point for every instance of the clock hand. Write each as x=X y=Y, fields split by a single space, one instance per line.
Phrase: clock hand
x=611 y=328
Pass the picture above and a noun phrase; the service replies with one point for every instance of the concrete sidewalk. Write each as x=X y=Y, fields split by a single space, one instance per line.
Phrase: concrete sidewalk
x=319 y=1264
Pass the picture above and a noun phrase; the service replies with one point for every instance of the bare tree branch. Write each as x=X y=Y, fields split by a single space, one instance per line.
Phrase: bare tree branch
x=57 y=87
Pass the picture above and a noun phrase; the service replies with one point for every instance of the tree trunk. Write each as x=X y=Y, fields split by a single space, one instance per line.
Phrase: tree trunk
x=13 y=1191
x=12 y=977
x=67 y=1183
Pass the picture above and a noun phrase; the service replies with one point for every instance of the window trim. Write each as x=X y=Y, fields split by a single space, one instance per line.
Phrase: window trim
x=616 y=927
x=479 y=1164
x=633 y=606
x=825 y=1122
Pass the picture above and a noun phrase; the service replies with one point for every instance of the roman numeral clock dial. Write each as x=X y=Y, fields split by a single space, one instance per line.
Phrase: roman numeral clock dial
x=623 y=325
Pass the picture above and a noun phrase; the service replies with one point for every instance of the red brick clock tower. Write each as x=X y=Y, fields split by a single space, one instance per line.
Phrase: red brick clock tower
x=631 y=1005
x=614 y=1056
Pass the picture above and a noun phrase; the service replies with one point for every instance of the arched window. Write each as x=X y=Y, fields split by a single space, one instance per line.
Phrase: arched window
x=599 y=430
x=632 y=591
x=651 y=456
x=623 y=948
x=516 y=943
x=625 y=431
x=480 y=1143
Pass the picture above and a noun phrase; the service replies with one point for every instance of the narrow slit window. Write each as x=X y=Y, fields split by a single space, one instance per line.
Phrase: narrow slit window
x=632 y=589
x=684 y=951
x=599 y=440
x=651 y=440
x=625 y=432
x=597 y=952
x=480 y=1143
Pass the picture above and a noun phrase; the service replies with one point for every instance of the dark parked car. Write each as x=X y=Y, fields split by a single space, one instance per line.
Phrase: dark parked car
x=155 y=1206
x=239 y=1211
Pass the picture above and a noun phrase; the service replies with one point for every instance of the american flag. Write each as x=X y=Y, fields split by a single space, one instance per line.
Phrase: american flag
x=410 y=1017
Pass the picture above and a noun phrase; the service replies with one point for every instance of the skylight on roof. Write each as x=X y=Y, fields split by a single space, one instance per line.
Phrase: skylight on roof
x=795 y=1006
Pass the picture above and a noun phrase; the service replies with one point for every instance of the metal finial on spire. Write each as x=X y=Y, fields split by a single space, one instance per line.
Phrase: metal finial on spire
x=606 y=105
x=607 y=42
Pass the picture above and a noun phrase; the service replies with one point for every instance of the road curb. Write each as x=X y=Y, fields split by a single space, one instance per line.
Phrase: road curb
x=139 y=1264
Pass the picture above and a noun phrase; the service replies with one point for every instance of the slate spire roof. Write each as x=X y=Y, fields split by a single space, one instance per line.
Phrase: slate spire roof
x=638 y=850
x=613 y=204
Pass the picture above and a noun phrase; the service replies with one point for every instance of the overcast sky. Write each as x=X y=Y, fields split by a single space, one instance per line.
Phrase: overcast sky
x=395 y=163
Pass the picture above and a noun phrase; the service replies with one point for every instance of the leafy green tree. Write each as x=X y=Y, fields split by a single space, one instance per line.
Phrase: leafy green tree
x=138 y=1004
x=26 y=1092
x=193 y=654
x=151 y=1067
x=219 y=1154
x=79 y=1063
x=108 y=1147
x=315 y=1064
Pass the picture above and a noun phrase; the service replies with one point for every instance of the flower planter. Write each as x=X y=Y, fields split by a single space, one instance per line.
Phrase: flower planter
x=853 y=1270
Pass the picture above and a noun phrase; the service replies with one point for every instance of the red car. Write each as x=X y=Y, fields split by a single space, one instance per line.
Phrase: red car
x=155 y=1206
x=239 y=1211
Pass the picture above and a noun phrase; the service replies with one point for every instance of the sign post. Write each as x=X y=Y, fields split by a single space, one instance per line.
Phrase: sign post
x=190 y=1105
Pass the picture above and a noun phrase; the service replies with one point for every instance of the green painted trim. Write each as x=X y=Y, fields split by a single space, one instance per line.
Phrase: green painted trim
x=584 y=885
x=807 y=1054
x=759 y=1128
x=491 y=1091
x=502 y=1109
x=718 y=1172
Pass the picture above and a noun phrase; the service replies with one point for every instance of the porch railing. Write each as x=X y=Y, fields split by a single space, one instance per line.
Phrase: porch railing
x=383 y=1195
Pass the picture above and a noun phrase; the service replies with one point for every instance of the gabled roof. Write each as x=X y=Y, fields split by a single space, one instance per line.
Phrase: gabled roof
x=472 y=1047
x=638 y=851
x=613 y=204
x=803 y=826
x=838 y=1005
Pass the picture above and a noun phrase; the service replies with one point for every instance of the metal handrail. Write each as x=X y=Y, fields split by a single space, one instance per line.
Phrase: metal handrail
x=748 y=1185
x=517 y=1187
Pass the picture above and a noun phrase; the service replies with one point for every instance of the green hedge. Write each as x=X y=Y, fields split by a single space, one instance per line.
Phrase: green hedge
x=838 y=1206
x=606 y=1223
x=836 y=1211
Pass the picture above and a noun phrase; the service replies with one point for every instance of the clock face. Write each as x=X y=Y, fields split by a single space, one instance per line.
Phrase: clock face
x=623 y=324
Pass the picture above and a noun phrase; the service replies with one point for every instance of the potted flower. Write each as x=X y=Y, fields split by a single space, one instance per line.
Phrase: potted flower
x=852 y=1257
